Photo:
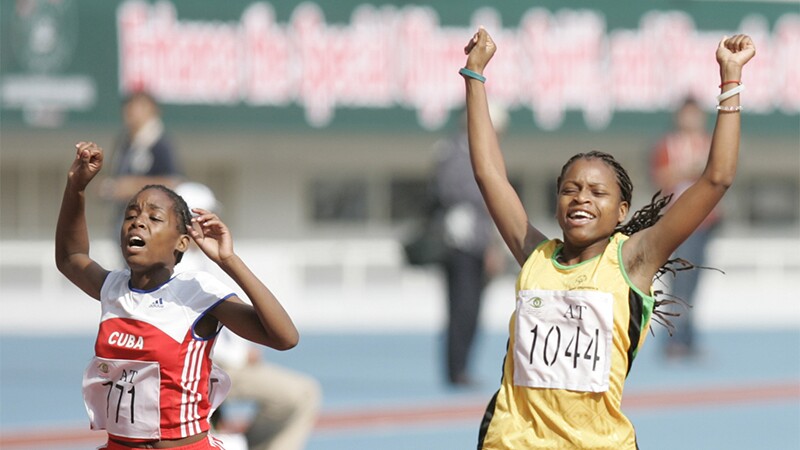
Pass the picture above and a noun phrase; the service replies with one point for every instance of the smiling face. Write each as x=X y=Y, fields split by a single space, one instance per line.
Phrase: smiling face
x=151 y=232
x=590 y=204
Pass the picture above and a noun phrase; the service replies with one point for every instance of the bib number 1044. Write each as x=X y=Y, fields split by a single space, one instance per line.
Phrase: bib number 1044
x=576 y=350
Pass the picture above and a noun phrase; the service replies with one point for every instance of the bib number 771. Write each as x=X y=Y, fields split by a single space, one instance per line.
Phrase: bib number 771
x=131 y=405
x=123 y=397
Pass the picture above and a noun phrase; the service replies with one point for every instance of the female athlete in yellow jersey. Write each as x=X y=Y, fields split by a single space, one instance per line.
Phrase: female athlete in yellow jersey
x=584 y=302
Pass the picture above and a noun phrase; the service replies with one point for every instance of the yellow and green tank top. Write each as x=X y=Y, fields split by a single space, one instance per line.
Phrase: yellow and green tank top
x=572 y=339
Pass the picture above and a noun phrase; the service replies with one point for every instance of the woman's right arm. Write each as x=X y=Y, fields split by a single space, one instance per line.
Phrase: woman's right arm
x=488 y=165
x=72 y=234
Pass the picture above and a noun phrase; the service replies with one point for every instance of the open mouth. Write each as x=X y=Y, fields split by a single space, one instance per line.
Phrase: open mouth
x=580 y=217
x=136 y=242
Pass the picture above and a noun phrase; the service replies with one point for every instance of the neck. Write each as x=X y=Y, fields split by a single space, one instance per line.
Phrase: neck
x=572 y=254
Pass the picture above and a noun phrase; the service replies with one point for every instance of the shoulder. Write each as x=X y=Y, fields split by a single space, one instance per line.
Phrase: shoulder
x=617 y=239
x=198 y=282
x=547 y=246
x=115 y=284
x=614 y=249
x=163 y=141
x=193 y=276
x=632 y=258
x=162 y=147
x=116 y=279
x=545 y=249
x=660 y=151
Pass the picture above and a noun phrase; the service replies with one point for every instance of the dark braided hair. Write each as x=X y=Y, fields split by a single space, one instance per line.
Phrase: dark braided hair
x=643 y=218
x=179 y=207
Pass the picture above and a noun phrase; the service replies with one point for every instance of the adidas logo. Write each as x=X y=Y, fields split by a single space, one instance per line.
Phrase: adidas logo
x=159 y=303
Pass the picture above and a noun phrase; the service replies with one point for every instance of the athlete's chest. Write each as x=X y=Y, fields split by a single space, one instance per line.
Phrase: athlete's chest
x=144 y=326
x=596 y=275
x=138 y=340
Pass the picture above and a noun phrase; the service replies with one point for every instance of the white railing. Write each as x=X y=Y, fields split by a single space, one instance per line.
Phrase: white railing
x=330 y=284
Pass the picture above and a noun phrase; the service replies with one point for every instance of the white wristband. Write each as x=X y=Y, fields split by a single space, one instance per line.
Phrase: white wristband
x=728 y=94
x=723 y=108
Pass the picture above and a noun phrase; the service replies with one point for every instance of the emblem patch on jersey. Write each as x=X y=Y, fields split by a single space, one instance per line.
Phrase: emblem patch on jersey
x=103 y=369
x=535 y=302
x=533 y=305
x=158 y=303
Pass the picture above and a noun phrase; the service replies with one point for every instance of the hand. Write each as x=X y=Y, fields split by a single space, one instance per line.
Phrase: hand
x=211 y=235
x=734 y=52
x=479 y=51
x=87 y=163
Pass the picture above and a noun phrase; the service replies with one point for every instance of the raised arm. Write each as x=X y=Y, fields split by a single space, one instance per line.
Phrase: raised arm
x=72 y=235
x=501 y=199
x=266 y=322
x=654 y=245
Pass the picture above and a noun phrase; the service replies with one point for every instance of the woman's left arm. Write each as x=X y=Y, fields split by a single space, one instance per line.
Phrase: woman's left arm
x=653 y=246
x=266 y=322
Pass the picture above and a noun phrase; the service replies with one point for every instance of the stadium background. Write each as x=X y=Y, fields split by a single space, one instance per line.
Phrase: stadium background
x=320 y=172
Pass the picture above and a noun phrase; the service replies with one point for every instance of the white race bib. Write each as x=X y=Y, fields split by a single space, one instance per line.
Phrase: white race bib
x=563 y=340
x=122 y=397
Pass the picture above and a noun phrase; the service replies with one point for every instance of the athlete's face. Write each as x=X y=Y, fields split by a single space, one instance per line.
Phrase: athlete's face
x=590 y=204
x=150 y=233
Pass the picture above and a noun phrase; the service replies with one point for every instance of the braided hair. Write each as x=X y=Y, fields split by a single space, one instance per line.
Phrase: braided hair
x=179 y=208
x=643 y=218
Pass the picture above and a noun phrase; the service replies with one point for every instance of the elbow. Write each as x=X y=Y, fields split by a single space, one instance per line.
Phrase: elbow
x=285 y=345
x=481 y=174
x=287 y=342
x=61 y=263
x=481 y=180
x=721 y=183
x=721 y=180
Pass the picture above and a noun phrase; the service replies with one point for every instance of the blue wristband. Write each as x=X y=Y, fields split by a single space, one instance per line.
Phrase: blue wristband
x=468 y=73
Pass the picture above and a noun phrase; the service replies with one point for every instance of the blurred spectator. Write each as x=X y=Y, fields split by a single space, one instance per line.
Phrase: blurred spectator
x=143 y=155
x=471 y=259
x=677 y=161
x=287 y=402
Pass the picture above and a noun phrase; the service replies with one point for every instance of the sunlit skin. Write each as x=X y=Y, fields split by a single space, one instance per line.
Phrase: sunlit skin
x=589 y=207
x=149 y=238
x=149 y=241
x=647 y=249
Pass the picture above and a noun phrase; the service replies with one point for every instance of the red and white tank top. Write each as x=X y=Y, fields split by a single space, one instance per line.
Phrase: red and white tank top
x=152 y=376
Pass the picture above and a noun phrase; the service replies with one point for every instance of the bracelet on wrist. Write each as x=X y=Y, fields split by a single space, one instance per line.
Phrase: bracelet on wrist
x=730 y=93
x=729 y=109
x=468 y=73
x=729 y=82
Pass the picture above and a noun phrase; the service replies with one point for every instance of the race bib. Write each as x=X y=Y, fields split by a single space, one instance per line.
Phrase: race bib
x=563 y=340
x=122 y=397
